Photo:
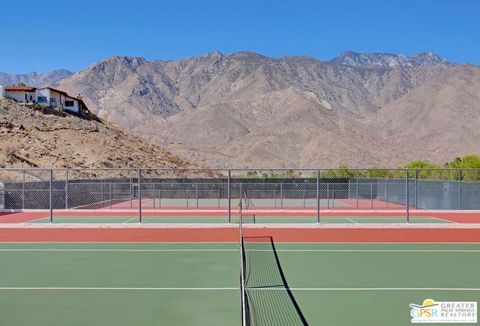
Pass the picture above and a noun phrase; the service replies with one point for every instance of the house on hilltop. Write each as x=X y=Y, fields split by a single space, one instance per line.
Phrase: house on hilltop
x=46 y=96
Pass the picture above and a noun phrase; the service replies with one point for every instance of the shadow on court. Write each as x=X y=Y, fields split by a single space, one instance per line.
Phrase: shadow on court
x=269 y=299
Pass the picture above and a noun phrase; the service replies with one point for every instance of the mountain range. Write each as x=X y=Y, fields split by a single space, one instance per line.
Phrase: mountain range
x=34 y=78
x=250 y=110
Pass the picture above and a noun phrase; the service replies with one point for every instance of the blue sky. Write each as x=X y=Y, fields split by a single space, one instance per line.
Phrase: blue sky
x=71 y=34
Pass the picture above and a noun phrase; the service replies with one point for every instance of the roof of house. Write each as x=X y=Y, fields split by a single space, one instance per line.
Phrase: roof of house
x=66 y=94
x=58 y=91
x=19 y=88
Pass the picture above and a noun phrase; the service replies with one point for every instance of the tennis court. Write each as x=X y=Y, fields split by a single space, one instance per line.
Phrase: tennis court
x=222 y=203
x=187 y=219
x=249 y=217
x=268 y=217
x=198 y=283
x=158 y=247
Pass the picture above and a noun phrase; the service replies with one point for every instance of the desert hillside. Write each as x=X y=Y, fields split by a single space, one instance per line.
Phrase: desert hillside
x=35 y=137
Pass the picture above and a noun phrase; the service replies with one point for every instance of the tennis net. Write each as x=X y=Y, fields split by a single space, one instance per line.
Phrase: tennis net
x=243 y=291
x=266 y=296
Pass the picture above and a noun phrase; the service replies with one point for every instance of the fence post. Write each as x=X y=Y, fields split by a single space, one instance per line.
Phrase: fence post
x=416 y=188
x=333 y=198
x=50 y=196
x=196 y=193
x=154 y=191
x=110 y=192
x=140 y=195
x=459 y=177
x=356 y=192
x=407 y=200
x=275 y=196
x=131 y=193
x=318 y=196
x=328 y=195
x=386 y=192
x=281 y=195
x=371 y=195
x=349 y=189
x=229 y=196
x=66 y=188
x=23 y=191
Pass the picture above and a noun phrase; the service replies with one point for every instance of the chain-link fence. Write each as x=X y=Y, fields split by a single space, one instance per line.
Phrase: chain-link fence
x=319 y=194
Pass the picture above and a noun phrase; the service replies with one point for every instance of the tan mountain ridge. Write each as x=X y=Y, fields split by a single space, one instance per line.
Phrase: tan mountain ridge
x=245 y=109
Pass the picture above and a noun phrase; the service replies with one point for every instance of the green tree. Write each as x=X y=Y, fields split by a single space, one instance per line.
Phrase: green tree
x=418 y=164
x=466 y=162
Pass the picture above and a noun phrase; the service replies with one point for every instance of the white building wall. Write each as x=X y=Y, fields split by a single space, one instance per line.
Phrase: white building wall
x=43 y=92
x=2 y=92
x=74 y=108
x=56 y=99
x=19 y=96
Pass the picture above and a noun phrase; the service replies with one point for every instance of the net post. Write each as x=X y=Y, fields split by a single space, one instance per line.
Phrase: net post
x=242 y=273
x=407 y=194
x=50 y=194
x=139 y=195
x=66 y=188
x=229 y=195
x=318 y=196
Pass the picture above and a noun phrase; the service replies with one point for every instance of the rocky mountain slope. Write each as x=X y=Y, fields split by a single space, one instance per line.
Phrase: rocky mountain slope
x=34 y=78
x=35 y=137
x=246 y=109
x=390 y=60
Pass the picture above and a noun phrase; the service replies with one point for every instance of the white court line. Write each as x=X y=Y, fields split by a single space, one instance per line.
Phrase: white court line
x=436 y=218
x=76 y=288
x=130 y=219
x=448 y=243
x=37 y=219
x=87 y=288
x=236 y=250
x=365 y=289
x=349 y=219
x=113 y=250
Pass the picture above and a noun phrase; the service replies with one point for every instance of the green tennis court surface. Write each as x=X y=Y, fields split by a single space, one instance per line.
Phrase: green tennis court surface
x=198 y=284
x=247 y=219
x=222 y=202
